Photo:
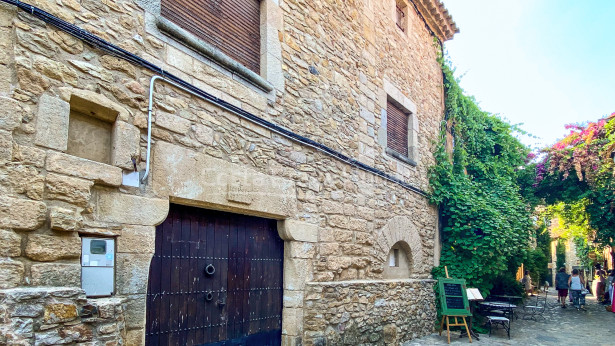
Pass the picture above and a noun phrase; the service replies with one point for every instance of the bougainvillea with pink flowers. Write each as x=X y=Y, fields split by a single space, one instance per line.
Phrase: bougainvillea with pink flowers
x=586 y=150
x=580 y=170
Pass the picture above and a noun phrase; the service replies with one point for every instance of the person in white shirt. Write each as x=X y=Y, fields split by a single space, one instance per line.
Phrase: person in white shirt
x=576 y=284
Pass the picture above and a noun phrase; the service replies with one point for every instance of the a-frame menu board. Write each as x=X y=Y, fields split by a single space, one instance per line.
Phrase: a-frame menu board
x=453 y=297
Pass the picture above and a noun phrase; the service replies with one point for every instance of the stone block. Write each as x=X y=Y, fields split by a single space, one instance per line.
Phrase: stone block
x=132 y=273
x=52 y=123
x=296 y=249
x=64 y=219
x=55 y=70
x=137 y=239
x=6 y=76
x=56 y=274
x=10 y=244
x=27 y=155
x=21 y=214
x=186 y=174
x=292 y=340
x=6 y=147
x=68 y=189
x=271 y=67
x=135 y=337
x=204 y=134
x=79 y=332
x=125 y=145
x=292 y=321
x=46 y=248
x=27 y=180
x=7 y=13
x=11 y=273
x=74 y=166
x=179 y=60
x=135 y=312
x=60 y=312
x=117 y=64
x=172 y=122
x=298 y=230
x=11 y=113
x=93 y=70
x=293 y=299
x=128 y=209
x=296 y=273
x=66 y=41
x=29 y=310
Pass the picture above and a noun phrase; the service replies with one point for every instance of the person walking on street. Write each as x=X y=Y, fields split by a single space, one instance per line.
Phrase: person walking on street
x=609 y=285
x=576 y=285
x=600 y=283
x=527 y=282
x=561 y=285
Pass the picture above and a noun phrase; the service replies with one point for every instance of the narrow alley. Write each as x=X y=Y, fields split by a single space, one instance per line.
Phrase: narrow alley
x=561 y=327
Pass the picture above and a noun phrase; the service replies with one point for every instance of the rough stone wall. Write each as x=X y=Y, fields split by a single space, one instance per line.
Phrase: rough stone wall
x=357 y=49
x=368 y=312
x=59 y=316
x=48 y=198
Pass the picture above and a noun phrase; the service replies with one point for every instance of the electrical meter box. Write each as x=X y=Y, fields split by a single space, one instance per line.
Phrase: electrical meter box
x=97 y=266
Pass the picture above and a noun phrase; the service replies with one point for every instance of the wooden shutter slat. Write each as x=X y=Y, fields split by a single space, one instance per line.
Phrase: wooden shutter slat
x=234 y=27
x=212 y=26
x=240 y=53
x=194 y=28
x=198 y=13
x=397 y=129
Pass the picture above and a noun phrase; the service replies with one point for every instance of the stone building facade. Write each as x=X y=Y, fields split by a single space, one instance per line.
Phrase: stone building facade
x=359 y=235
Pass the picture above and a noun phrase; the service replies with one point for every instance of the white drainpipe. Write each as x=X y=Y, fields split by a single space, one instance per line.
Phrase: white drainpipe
x=149 y=119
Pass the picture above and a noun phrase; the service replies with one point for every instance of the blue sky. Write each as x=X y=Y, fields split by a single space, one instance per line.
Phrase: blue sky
x=543 y=63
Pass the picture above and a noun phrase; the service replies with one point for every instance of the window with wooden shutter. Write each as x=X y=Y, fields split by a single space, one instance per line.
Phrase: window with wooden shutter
x=232 y=26
x=397 y=129
x=401 y=11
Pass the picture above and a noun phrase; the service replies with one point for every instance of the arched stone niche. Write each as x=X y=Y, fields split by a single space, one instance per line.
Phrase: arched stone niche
x=402 y=235
x=399 y=263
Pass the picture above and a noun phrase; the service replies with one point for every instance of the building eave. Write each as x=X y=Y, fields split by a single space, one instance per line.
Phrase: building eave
x=437 y=17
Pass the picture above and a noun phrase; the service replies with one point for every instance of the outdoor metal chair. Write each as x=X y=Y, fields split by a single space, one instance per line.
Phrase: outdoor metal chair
x=497 y=321
x=536 y=308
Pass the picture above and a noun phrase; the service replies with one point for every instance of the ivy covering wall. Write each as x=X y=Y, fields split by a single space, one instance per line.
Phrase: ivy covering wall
x=486 y=223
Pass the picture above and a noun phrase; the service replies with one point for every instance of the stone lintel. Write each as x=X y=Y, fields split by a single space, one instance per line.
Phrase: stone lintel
x=94 y=104
x=194 y=178
x=117 y=207
x=83 y=168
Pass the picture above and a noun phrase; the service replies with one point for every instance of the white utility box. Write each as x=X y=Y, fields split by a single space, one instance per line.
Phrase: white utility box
x=97 y=266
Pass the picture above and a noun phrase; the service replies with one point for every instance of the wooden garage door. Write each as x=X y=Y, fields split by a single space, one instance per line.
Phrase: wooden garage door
x=216 y=278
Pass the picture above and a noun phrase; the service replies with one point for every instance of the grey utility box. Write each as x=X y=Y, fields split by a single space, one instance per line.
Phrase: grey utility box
x=97 y=266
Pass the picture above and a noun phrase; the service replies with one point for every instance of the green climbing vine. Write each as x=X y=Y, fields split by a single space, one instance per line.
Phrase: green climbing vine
x=486 y=223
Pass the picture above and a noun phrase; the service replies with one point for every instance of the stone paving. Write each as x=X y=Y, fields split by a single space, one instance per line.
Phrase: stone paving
x=563 y=327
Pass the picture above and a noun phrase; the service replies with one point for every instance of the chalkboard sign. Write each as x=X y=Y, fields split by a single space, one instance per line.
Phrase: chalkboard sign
x=453 y=297
x=452 y=289
x=454 y=302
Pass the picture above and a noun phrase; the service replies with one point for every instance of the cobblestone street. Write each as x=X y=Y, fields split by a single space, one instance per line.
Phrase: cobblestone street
x=562 y=327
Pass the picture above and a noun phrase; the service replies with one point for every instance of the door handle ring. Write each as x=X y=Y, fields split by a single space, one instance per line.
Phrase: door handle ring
x=210 y=269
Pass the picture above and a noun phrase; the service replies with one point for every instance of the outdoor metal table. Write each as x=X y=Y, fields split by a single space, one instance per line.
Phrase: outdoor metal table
x=507 y=308
x=508 y=298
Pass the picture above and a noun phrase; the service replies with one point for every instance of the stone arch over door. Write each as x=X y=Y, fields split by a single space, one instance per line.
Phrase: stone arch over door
x=401 y=229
